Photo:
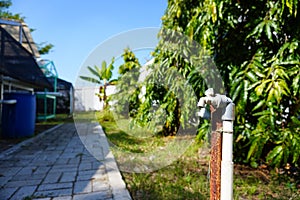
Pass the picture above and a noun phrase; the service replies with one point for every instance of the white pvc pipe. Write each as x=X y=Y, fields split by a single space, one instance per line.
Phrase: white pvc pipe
x=8 y=101
x=227 y=164
x=227 y=183
x=57 y=94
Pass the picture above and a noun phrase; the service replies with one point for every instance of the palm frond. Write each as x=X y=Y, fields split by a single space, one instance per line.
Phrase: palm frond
x=90 y=79
x=113 y=82
x=95 y=71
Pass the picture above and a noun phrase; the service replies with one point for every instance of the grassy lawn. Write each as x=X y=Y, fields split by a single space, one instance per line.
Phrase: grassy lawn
x=43 y=125
x=88 y=116
x=186 y=178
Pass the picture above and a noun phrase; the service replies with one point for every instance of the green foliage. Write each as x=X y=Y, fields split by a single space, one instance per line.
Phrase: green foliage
x=265 y=85
x=6 y=14
x=4 y=4
x=130 y=62
x=187 y=177
x=105 y=116
x=45 y=48
x=101 y=76
x=204 y=131
x=127 y=88
x=255 y=46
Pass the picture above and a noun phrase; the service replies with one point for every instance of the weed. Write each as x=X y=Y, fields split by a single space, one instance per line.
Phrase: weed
x=186 y=178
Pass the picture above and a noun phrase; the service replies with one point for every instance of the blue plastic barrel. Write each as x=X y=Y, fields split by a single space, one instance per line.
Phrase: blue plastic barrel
x=18 y=120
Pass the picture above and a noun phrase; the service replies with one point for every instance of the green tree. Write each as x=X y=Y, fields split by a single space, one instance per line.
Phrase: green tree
x=6 y=14
x=103 y=77
x=43 y=48
x=130 y=62
x=128 y=89
x=255 y=46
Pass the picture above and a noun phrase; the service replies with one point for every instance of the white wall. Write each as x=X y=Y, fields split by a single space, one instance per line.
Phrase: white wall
x=87 y=100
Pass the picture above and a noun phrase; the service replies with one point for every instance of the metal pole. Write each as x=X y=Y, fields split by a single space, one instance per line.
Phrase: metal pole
x=20 y=34
x=220 y=110
x=216 y=153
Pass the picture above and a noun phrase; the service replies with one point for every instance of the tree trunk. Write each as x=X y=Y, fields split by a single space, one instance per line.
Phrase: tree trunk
x=105 y=103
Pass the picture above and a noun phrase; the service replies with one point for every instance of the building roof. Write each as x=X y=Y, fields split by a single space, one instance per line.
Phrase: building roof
x=21 y=33
x=18 y=62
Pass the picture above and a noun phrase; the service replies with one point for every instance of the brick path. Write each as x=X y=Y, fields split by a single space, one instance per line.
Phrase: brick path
x=55 y=165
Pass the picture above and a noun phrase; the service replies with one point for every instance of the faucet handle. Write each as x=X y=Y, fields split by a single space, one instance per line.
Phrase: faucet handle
x=210 y=92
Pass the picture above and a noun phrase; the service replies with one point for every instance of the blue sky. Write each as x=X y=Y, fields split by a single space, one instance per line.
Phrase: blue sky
x=76 y=28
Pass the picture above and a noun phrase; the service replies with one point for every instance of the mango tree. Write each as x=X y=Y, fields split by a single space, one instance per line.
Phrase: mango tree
x=255 y=46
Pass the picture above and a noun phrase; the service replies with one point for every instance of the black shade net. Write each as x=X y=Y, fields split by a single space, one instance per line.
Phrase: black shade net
x=18 y=63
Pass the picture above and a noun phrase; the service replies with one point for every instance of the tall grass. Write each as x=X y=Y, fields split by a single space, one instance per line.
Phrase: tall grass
x=187 y=177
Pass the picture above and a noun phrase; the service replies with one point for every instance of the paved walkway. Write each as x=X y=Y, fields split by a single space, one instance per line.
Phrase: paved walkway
x=55 y=165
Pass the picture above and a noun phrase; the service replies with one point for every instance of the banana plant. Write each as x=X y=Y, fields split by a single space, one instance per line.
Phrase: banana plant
x=101 y=76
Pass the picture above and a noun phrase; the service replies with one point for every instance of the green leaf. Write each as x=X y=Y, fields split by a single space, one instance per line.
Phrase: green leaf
x=254 y=164
x=271 y=94
x=214 y=11
x=258 y=64
x=280 y=72
x=94 y=71
x=296 y=84
x=292 y=5
x=273 y=153
x=260 y=104
x=284 y=87
x=296 y=152
x=262 y=113
x=286 y=155
x=251 y=76
x=257 y=30
x=178 y=14
x=220 y=10
x=290 y=62
x=278 y=159
x=253 y=147
x=237 y=92
x=268 y=31
x=90 y=79
x=246 y=85
x=254 y=85
x=261 y=88
x=237 y=82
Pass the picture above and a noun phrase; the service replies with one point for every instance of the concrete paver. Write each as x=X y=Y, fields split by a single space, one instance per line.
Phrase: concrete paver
x=56 y=165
